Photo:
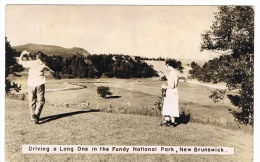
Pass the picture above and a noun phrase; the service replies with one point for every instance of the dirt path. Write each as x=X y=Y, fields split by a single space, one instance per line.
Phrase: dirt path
x=68 y=126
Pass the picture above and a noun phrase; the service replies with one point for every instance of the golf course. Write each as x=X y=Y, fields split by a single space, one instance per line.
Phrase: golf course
x=74 y=114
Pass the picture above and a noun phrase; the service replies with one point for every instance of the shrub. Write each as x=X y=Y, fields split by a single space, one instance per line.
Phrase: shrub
x=109 y=74
x=159 y=103
x=163 y=78
x=103 y=91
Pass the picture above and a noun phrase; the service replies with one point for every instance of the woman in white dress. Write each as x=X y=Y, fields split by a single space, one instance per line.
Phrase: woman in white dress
x=171 y=104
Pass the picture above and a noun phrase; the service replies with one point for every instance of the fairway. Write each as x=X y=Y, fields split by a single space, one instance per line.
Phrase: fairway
x=131 y=95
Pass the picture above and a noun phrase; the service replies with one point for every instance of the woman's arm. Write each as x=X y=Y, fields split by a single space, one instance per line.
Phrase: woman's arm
x=169 y=86
x=172 y=81
x=163 y=86
x=182 y=76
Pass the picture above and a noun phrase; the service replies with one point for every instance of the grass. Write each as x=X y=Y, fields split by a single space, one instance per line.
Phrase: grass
x=128 y=118
x=68 y=126
x=138 y=96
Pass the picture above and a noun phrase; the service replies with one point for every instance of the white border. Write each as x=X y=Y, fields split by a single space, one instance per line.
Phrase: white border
x=255 y=3
x=2 y=82
x=135 y=2
x=256 y=83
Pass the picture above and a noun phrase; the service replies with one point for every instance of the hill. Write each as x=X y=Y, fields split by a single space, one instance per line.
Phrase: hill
x=162 y=70
x=51 y=50
x=185 y=62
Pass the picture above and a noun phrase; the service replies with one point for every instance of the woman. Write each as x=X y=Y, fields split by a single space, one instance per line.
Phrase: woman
x=171 y=105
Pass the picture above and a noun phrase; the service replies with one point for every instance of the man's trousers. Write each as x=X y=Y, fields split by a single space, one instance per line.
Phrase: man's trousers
x=36 y=99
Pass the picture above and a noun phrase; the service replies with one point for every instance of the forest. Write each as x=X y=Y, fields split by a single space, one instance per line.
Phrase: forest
x=96 y=66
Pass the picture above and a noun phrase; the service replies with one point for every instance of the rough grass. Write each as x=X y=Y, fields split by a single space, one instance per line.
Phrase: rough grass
x=70 y=126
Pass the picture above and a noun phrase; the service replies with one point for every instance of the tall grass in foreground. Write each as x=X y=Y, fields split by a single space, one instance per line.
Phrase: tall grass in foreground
x=156 y=111
x=186 y=115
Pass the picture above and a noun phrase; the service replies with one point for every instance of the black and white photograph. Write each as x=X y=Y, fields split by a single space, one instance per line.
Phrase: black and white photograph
x=129 y=82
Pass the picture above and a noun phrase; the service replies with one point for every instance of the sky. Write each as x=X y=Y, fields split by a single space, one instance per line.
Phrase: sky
x=149 y=31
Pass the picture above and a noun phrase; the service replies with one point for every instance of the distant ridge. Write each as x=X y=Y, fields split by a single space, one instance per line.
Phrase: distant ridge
x=51 y=50
x=162 y=69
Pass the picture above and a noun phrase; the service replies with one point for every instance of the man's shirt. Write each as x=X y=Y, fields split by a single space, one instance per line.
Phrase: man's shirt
x=36 y=72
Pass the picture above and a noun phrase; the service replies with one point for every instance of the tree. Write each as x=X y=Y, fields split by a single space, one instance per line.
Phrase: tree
x=103 y=91
x=233 y=31
x=95 y=66
x=11 y=67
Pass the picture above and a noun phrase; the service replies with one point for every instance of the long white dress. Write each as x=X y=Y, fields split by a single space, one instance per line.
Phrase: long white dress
x=171 y=103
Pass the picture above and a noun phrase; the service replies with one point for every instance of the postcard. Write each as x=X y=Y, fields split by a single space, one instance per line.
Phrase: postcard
x=129 y=82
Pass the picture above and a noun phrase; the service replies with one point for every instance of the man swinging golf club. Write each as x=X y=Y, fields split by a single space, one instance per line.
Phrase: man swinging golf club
x=35 y=82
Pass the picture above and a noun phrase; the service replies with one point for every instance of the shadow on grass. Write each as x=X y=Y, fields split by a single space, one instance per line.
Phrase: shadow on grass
x=55 y=117
x=243 y=117
x=184 y=118
x=112 y=97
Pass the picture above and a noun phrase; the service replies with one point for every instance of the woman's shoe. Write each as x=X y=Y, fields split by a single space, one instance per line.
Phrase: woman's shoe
x=166 y=123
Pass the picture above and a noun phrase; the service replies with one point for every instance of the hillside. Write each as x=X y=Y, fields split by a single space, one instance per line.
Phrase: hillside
x=51 y=50
x=70 y=126
x=162 y=70
x=185 y=62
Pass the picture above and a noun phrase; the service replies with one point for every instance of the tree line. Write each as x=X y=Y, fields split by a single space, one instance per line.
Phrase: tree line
x=213 y=70
x=96 y=66
x=79 y=66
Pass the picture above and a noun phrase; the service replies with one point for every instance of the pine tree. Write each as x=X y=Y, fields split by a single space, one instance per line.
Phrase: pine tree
x=233 y=31
x=11 y=67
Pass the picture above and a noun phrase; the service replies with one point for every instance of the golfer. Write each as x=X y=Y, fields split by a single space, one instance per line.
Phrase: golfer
x=170 y=109
x=35 y=82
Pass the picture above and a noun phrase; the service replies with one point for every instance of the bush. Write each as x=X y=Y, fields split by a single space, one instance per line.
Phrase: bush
x=163 y=78
x=159 y=103
x=103 y=91
x=109 y=74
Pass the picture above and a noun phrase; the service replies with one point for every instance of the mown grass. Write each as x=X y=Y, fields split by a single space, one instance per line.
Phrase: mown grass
x=138 y=96
x=70 y=126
